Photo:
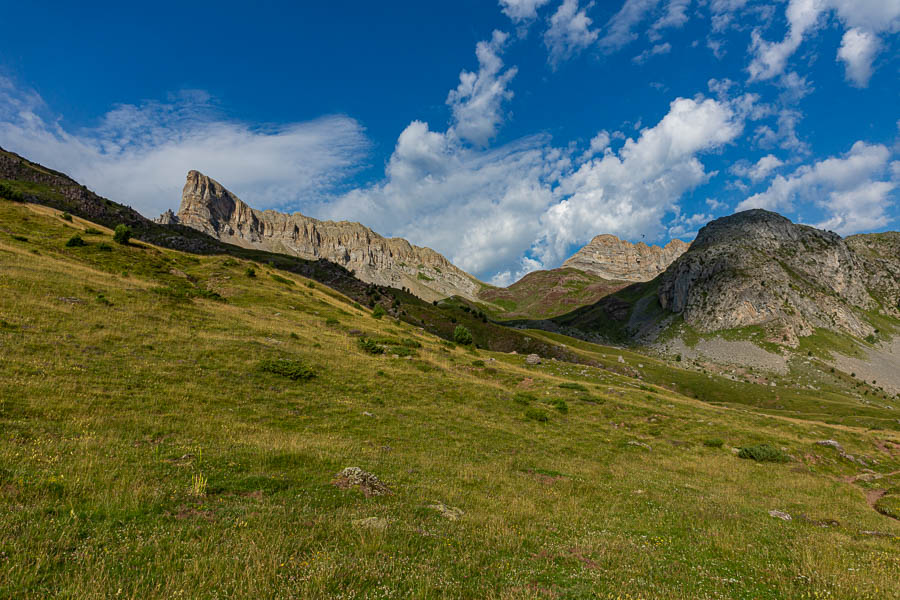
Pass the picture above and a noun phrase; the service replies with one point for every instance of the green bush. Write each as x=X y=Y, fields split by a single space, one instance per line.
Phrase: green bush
x=461 y=335
x=763 y=453
x=369 y=346
x=403 y=351
x=75 y=242
x=524 y=397
x=103 y=300
x=378 y=312
x=9 y=193
x=104 y=247
x=477 y=363
x=20 y=238
x=536 y=414
x=410 y=343
x=331 y=321
x=281 y=279
x=310 y=285
x=66 y=217
x=287 y=367
x=559 y=404
x=250 y=272
x=713 y=443
x=573 y=386
x=122 y=234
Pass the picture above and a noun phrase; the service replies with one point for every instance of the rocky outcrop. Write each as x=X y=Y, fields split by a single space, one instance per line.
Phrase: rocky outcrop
x=612 y=258
x=167 y=218
x=208 y=207
x=880 y=255
x=758 y=268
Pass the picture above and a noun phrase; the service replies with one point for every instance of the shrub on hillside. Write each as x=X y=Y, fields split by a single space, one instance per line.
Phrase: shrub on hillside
x=370 y=346
x=92 y=231
x=559 y=404
x=378 y=312
x=573 y=386
x=104 y=247
x=122 y=234
x=536 y=414
x=461 y=335
x=524 y=397
x=9 y=193
x=713 y=443
x=286 y=367
x=281 y=279
x=250 y=272
x=763 y=453
x=66 y=217
x=75 y=242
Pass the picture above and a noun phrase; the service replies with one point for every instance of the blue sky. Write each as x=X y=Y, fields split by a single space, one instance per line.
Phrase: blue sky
x=503 y=134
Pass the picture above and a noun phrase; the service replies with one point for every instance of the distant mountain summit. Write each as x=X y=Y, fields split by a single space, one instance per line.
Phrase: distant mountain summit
x=615 y=259
x=208 y=207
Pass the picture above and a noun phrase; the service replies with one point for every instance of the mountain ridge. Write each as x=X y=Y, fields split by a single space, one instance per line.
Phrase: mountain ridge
x=612 y=258
x=209 y=207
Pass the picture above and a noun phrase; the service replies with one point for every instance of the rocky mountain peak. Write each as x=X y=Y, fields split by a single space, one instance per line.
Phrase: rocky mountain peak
x=612 y=258
x=206 y=205
x=758 y=268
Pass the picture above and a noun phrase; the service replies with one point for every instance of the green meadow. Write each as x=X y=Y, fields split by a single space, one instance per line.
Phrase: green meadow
x=173 y=426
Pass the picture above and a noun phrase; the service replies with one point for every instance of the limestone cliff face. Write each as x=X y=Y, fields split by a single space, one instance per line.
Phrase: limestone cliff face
x=612 y=258
x=207 y=206
x=880 y=255
x=758 y=268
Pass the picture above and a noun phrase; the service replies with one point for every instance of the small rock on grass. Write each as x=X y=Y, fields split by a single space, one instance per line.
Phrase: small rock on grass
x=448 y=512
x=533 y=359
x=367 y=483
x=378 y=523
x=831 y=444
x=780 y=515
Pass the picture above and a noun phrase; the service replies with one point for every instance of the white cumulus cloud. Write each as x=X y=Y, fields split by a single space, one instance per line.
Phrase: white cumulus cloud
x=853 y=190
x=858 y=50
x=758 y=171
x=477 y=101
x=628 y=193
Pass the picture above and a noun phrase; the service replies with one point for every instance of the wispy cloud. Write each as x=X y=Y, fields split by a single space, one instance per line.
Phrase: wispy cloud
x=864 y=22
x=853 y=190
x=140 y=153
x=569 y=32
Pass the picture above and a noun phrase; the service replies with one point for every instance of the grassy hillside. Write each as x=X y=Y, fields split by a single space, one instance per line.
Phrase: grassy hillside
x=23 y=180
x=545 y=294
x=153 y=444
